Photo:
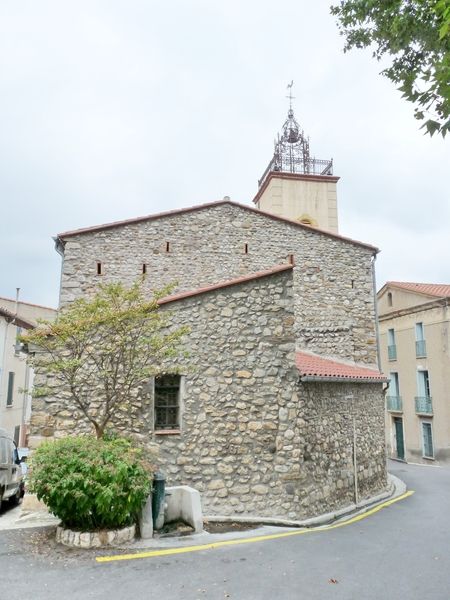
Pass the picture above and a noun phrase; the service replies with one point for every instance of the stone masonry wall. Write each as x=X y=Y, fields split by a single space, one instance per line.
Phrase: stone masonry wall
x=333 y=280
x=331 y=412
x=252 y=440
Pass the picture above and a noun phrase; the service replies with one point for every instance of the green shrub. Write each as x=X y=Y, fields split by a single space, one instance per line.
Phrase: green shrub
x=91 y=483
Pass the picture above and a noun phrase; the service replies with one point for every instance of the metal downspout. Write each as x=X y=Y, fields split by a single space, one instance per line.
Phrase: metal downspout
x=59 y=247
x=375 y=306
x=3 y=365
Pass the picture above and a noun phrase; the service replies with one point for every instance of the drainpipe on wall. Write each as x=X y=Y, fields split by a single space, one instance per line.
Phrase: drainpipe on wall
x=3 y=361
x=351 y=400
x=355 y=463
x=26 y=392
x=59 y=247
x=16 y=304
x=375 y=305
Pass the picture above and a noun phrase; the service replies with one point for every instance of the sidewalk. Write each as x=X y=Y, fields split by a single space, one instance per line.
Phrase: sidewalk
x=32 y=513
x=29 y=513
x=273 y=526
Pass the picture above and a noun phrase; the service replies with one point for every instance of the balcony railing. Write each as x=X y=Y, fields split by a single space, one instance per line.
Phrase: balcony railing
x=421 y=349
x=424 y=405
x=394 y=403
x=392 y=352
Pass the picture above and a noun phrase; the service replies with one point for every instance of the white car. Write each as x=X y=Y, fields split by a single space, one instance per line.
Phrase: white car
x=11 y=477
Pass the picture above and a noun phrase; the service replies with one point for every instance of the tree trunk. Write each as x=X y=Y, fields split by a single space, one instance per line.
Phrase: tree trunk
x=99 y=431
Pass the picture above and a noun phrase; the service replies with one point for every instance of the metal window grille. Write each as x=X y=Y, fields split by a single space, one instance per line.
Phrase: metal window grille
x=167 y=404
x=394 y=404
x=392 y=352
x=421 y=349
x=424 y=405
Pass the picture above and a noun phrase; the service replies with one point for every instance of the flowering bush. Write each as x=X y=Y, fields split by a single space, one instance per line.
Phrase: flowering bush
x=91 y=483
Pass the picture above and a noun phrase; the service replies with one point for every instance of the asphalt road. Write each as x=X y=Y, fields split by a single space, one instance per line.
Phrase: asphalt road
x=401 y=552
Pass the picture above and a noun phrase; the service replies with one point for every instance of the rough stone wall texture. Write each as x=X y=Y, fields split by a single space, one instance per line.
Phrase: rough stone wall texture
x=331 y=413
x=253 y=441
x=334 y=304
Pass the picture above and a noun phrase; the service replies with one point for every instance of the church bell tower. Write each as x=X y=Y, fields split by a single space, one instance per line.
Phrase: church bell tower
x=296 y=186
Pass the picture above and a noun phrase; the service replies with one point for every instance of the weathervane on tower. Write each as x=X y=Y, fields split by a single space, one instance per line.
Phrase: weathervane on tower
x=295 y=185
x=291 y=152
x=291 y=97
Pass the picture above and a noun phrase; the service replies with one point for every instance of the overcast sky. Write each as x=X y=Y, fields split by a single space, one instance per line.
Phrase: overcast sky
x=119 y=108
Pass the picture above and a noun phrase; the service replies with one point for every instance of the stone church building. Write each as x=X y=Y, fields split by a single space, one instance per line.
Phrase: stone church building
x=279 y=408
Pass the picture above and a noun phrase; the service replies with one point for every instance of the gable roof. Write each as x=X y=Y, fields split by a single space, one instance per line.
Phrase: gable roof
x=27 y=303
x=316 y=368
x=225 y=284
x=66 y=234
x=438 y=290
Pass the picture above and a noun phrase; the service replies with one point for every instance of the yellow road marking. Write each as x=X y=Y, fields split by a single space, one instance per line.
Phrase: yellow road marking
x=261 y=538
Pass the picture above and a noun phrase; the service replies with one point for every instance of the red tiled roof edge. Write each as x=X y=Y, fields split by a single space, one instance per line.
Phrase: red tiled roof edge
x=317 y=368
x=438 y=290
x=12 y=318
x=225 y=284
x=170 y=213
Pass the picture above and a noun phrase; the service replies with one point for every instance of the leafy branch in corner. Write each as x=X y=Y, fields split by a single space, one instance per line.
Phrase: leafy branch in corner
x=102 y=350
x=415 y=34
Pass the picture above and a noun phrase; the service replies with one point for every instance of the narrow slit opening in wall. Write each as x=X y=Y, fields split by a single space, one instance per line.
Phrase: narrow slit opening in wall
x=144 y=268
x=353 y=283
x=245 y=248
x=99 y=268
x=167 y=246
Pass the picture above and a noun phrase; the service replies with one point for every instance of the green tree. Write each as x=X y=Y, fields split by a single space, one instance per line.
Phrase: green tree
x=415 y=34
x=102 y=350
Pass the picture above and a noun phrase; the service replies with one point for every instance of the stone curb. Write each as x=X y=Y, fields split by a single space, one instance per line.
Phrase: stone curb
x=396 y=487
x=95 y=539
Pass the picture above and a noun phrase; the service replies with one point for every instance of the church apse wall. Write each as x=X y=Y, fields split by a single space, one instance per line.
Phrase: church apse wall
x=334 y=302
x=250 y=437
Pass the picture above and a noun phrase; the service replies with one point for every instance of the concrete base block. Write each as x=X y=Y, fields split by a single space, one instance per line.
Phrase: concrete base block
x=146 y=520
x=183 y=502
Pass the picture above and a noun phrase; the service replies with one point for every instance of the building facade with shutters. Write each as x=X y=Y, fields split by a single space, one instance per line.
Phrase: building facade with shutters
x=16 y=376
x=414 y=339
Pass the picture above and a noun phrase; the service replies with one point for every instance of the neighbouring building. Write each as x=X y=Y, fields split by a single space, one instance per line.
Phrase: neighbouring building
x=279 y=410
x=16 y=376
x=414 y=336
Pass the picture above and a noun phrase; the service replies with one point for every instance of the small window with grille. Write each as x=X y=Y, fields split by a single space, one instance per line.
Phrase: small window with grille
x=167 y=402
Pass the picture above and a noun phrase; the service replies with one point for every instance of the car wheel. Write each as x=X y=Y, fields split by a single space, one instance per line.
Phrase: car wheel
x=14 y=500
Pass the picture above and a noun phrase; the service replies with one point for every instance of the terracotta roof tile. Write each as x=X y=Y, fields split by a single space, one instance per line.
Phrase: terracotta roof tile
x=12 y=318
x=227 y=283
x=430 y=289
x=313 y=367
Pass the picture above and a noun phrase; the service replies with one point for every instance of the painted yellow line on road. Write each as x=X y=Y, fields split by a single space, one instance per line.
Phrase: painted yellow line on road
x=372 y=511
x=261 y=538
